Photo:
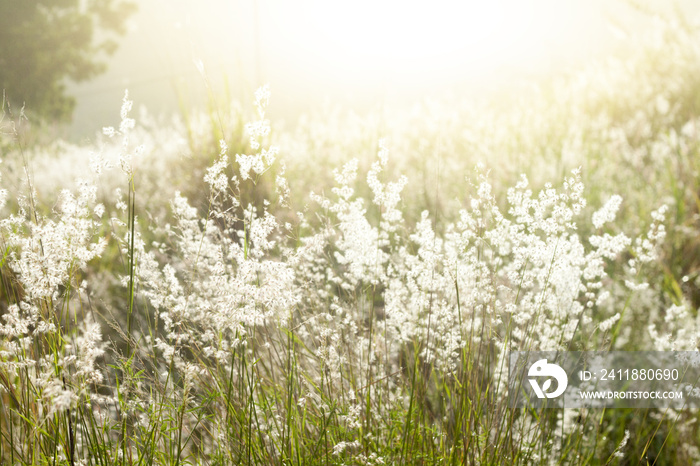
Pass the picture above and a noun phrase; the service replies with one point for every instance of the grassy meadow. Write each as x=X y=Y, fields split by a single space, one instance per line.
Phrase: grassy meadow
x=215 y=289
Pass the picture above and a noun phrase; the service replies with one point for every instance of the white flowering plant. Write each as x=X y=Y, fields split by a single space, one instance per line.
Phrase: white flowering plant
x=326 y=296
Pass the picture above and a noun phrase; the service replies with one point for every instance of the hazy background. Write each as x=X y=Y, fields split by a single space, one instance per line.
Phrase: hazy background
x=357 y=54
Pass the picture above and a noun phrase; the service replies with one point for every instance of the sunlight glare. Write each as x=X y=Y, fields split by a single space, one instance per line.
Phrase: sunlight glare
x=394 y=34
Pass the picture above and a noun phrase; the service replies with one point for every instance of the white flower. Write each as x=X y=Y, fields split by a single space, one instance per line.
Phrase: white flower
x=608 y=212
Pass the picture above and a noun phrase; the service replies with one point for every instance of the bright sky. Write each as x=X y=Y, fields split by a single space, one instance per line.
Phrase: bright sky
x=350 y=53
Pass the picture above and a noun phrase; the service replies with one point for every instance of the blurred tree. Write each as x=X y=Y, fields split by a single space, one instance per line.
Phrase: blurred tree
x=43 y=42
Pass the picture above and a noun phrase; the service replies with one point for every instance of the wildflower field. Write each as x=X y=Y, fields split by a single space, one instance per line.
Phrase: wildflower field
x=214 y=290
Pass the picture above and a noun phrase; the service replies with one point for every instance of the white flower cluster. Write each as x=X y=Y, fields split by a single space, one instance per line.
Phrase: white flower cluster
x=46 y=340
x=259 y=162
x=127 y=154
x=226 y=280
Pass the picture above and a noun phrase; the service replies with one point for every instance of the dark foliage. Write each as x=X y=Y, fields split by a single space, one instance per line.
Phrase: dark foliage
x=45 y=42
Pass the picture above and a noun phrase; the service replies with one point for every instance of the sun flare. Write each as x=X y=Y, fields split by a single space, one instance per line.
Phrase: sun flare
x=401 y=35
